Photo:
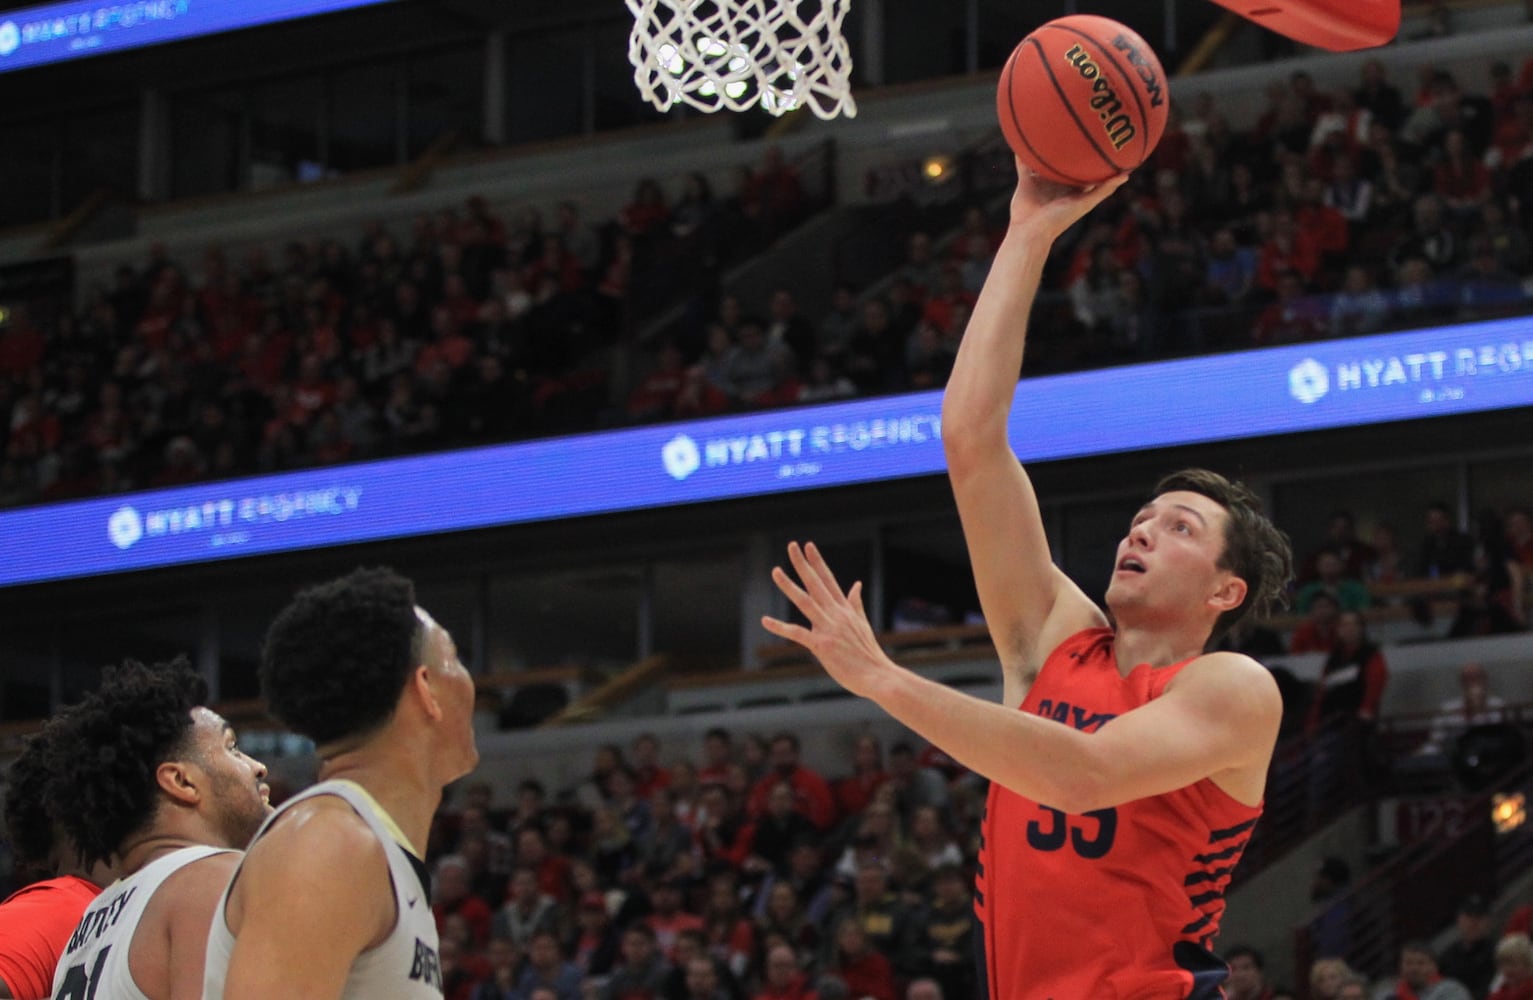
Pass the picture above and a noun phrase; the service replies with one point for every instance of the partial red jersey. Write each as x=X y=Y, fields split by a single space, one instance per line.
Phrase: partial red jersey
x=1117 y=903
x=35 y=924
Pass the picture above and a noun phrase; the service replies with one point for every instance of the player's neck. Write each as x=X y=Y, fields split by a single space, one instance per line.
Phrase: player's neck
x=138 y=852
x=401 y=785
x=1156 y=645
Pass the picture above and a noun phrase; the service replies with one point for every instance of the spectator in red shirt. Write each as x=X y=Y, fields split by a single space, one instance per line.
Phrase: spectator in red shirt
x=668 y=918
x=648 y=776
x=1514 y=960
x=855 y=791
x=1287 y=249
x=784 y=978
x=857 y=963
x=552 y=870
x=1293 y=318
x=654 y=398
x=1317 y=632
x=1460 y=180
x=811 y=794
x=718 y=753
x=37 y=921
x=453 y=897
x=723 y=832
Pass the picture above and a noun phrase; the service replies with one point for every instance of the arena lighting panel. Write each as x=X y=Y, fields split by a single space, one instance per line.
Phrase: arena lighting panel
x=59 y=32
x=1306 y=387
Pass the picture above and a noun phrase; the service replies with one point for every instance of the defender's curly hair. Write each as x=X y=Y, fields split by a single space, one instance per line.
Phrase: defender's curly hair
x=28 y=825
x=105 y=750
x=1254 y=548
x=338 y=656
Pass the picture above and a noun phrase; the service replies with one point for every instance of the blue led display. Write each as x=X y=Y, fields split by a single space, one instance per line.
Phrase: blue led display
x=1427 y=373
x=36 y=36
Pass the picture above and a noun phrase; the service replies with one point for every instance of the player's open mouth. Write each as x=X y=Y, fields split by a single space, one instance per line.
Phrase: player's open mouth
x=265 y=791
x=1129 y=564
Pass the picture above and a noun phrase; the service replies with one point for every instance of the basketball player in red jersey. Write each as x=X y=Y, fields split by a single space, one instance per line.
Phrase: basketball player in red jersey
x=1123 y=792
x=38 y=919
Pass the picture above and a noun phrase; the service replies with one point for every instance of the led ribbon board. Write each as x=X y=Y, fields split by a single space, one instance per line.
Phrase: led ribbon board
x=58 y=32
x=1341 y=383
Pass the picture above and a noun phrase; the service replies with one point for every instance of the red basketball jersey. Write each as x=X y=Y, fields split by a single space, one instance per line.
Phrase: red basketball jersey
x=1117 y=903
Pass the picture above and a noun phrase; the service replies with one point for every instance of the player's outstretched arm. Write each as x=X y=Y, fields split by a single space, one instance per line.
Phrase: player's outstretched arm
x=1020 y=589
x=1218 y=718
x=314 y=893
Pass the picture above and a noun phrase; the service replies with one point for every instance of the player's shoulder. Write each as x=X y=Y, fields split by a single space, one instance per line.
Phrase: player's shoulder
x=1233 y=677
x=323 y=833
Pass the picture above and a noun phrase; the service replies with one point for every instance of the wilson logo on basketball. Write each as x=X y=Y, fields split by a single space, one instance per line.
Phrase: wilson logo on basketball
x=1146 y=70
x=1104 y=100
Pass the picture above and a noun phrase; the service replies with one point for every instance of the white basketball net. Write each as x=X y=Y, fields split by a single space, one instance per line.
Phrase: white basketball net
x=714 y=54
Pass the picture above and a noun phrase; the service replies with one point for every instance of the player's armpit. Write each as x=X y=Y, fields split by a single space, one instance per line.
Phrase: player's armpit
x=5 y=991
x=314 y=893
x=1217 y=719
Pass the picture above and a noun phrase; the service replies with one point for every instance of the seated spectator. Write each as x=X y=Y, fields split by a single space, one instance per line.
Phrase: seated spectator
x=1475 y=706
x=729 y=933
x=1326 y=978
x=1248 y=977
x=946 y=933
x=1317 y=632
x=1348 y=192
x=862 y=967
x=1354 y=987
x=914 y=784
x=1431 y=239
x=1445 y=550
x=758 y=373
x=1472 y=957
x=928 y=359
x=811 y=794
x=593 y=942
x=1330 y=578
x=502 y=958
x=1514 y=961
x=1359 y=307
x=855 y=791
x=703 y=980
x=1519 y=535
x=546 y=968
x=789 y=331
x=1230 y=272
x=777 y=829
x=1461 y=180
x=452 y=895
x=1294 y=318
x=794 y=906
x=527 y=910
x=647 y=212
x=783 y=976
x=642 y=973
x=1420 y=979
x=932 y=841
x=824 y=384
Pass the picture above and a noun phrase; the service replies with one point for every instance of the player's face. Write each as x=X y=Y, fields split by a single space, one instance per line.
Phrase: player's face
x=238 y=798
x=1169 y=561
x=454 y=689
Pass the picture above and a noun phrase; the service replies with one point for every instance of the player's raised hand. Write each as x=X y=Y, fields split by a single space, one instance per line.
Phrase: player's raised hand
x=1052 y=207
x=839 y=633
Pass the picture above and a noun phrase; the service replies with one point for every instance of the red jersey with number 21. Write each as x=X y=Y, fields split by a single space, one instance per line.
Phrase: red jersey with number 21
x=1115 y=904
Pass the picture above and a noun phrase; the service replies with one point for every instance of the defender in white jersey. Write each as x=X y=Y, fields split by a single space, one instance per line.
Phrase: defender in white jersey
x=331 y=901
x=143 y=774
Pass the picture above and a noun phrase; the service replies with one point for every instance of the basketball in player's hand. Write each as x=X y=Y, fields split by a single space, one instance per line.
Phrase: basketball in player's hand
x=1082 y=99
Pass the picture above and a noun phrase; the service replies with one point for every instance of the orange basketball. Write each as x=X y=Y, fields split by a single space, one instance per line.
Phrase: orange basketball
x=1083 y=98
